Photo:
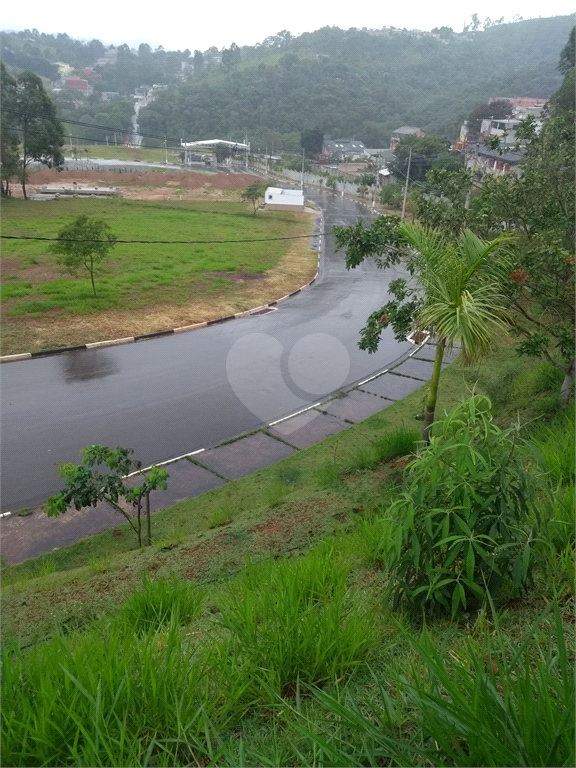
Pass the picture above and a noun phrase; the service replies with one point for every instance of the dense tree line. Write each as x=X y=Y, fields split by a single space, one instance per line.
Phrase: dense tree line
x=38 y=52
x=350 y=83
x=354 y=83
x=31 y=130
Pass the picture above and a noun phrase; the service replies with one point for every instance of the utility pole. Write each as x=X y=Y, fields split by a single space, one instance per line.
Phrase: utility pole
x=406 y=186
x=302 y=168
x=165 y=152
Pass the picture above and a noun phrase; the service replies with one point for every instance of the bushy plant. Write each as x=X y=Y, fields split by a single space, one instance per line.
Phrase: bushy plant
x=400 y=442
x=457 y=527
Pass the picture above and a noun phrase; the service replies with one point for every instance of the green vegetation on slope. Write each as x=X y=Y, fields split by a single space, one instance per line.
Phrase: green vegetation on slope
x=300 y=660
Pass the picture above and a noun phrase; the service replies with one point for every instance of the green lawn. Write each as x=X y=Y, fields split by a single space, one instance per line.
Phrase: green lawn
x=134 y=270
x=137 y=277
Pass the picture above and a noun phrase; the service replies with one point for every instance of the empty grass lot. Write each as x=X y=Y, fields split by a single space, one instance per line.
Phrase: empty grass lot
x=144 y=288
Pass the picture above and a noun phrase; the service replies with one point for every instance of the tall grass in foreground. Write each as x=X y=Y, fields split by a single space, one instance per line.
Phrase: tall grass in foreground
x=292 y=621
x=498 y=705
x=160 y=603
x=103 y=700
x=556 y=443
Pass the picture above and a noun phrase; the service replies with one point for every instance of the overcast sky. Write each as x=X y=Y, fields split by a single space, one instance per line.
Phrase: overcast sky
x=181 y=25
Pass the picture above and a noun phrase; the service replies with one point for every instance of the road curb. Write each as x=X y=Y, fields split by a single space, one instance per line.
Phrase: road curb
x=156 y=334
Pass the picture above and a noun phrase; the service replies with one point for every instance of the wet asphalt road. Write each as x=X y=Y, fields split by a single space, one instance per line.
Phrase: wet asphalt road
x=169 y=396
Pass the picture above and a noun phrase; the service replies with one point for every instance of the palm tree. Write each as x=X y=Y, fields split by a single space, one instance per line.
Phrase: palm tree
x=461 y=295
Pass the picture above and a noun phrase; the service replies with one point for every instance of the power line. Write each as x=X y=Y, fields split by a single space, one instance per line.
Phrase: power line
x=124 y=132
x=90 y=125
x=166 y=242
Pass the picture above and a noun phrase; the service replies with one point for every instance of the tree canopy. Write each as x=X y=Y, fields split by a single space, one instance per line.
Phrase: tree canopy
x=84 y=244
x=454 y=289
x=31 y=117
x=254 y=193
x=312 y=141
x=423 y=153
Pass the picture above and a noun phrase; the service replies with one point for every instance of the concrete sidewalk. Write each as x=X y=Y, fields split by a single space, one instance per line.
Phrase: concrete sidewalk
x=26 y=537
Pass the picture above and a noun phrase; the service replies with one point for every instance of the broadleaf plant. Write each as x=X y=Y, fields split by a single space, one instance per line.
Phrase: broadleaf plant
x=460 y=528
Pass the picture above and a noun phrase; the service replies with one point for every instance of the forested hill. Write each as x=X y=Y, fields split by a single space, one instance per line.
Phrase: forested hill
x=360 y=84
x=357 y=83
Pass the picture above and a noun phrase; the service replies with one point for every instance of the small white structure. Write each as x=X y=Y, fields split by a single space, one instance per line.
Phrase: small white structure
x=278 y=199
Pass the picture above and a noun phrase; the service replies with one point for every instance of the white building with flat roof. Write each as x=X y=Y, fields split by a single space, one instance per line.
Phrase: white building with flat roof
x=278 y=199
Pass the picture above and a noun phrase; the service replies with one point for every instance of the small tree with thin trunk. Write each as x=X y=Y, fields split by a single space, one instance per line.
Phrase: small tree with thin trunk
x=331 y=183
x=84 y=244
x=254 y=193
x=86 y=485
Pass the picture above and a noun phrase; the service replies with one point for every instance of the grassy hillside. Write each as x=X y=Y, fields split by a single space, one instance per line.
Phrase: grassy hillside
x=187 y=654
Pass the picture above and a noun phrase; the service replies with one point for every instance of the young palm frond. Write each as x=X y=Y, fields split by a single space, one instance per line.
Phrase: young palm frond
x=462 y=299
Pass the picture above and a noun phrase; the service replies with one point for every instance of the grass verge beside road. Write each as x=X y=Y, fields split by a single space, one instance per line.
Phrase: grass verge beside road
x=145 y=288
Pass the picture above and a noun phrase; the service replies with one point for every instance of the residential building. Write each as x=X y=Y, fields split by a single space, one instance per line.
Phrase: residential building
x=506 y=129
x=344 y=149
x=482 y=160
x=523 y=106
x=89 y=74
x=405 y=130
x=78 y=84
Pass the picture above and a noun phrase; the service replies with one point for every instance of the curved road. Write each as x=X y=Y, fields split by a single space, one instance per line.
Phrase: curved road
x=169 y=396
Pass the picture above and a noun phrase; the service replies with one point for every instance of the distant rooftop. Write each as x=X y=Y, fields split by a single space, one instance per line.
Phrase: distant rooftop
x=407 y=129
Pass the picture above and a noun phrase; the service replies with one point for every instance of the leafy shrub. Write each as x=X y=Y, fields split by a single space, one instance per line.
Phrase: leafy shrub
x=457 y=528
x=160 y=603
x=391 y=194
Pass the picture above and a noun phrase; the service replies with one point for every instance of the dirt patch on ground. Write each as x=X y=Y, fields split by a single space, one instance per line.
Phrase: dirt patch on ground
x=145 y=185
x=238 y=277
x=34 y=274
